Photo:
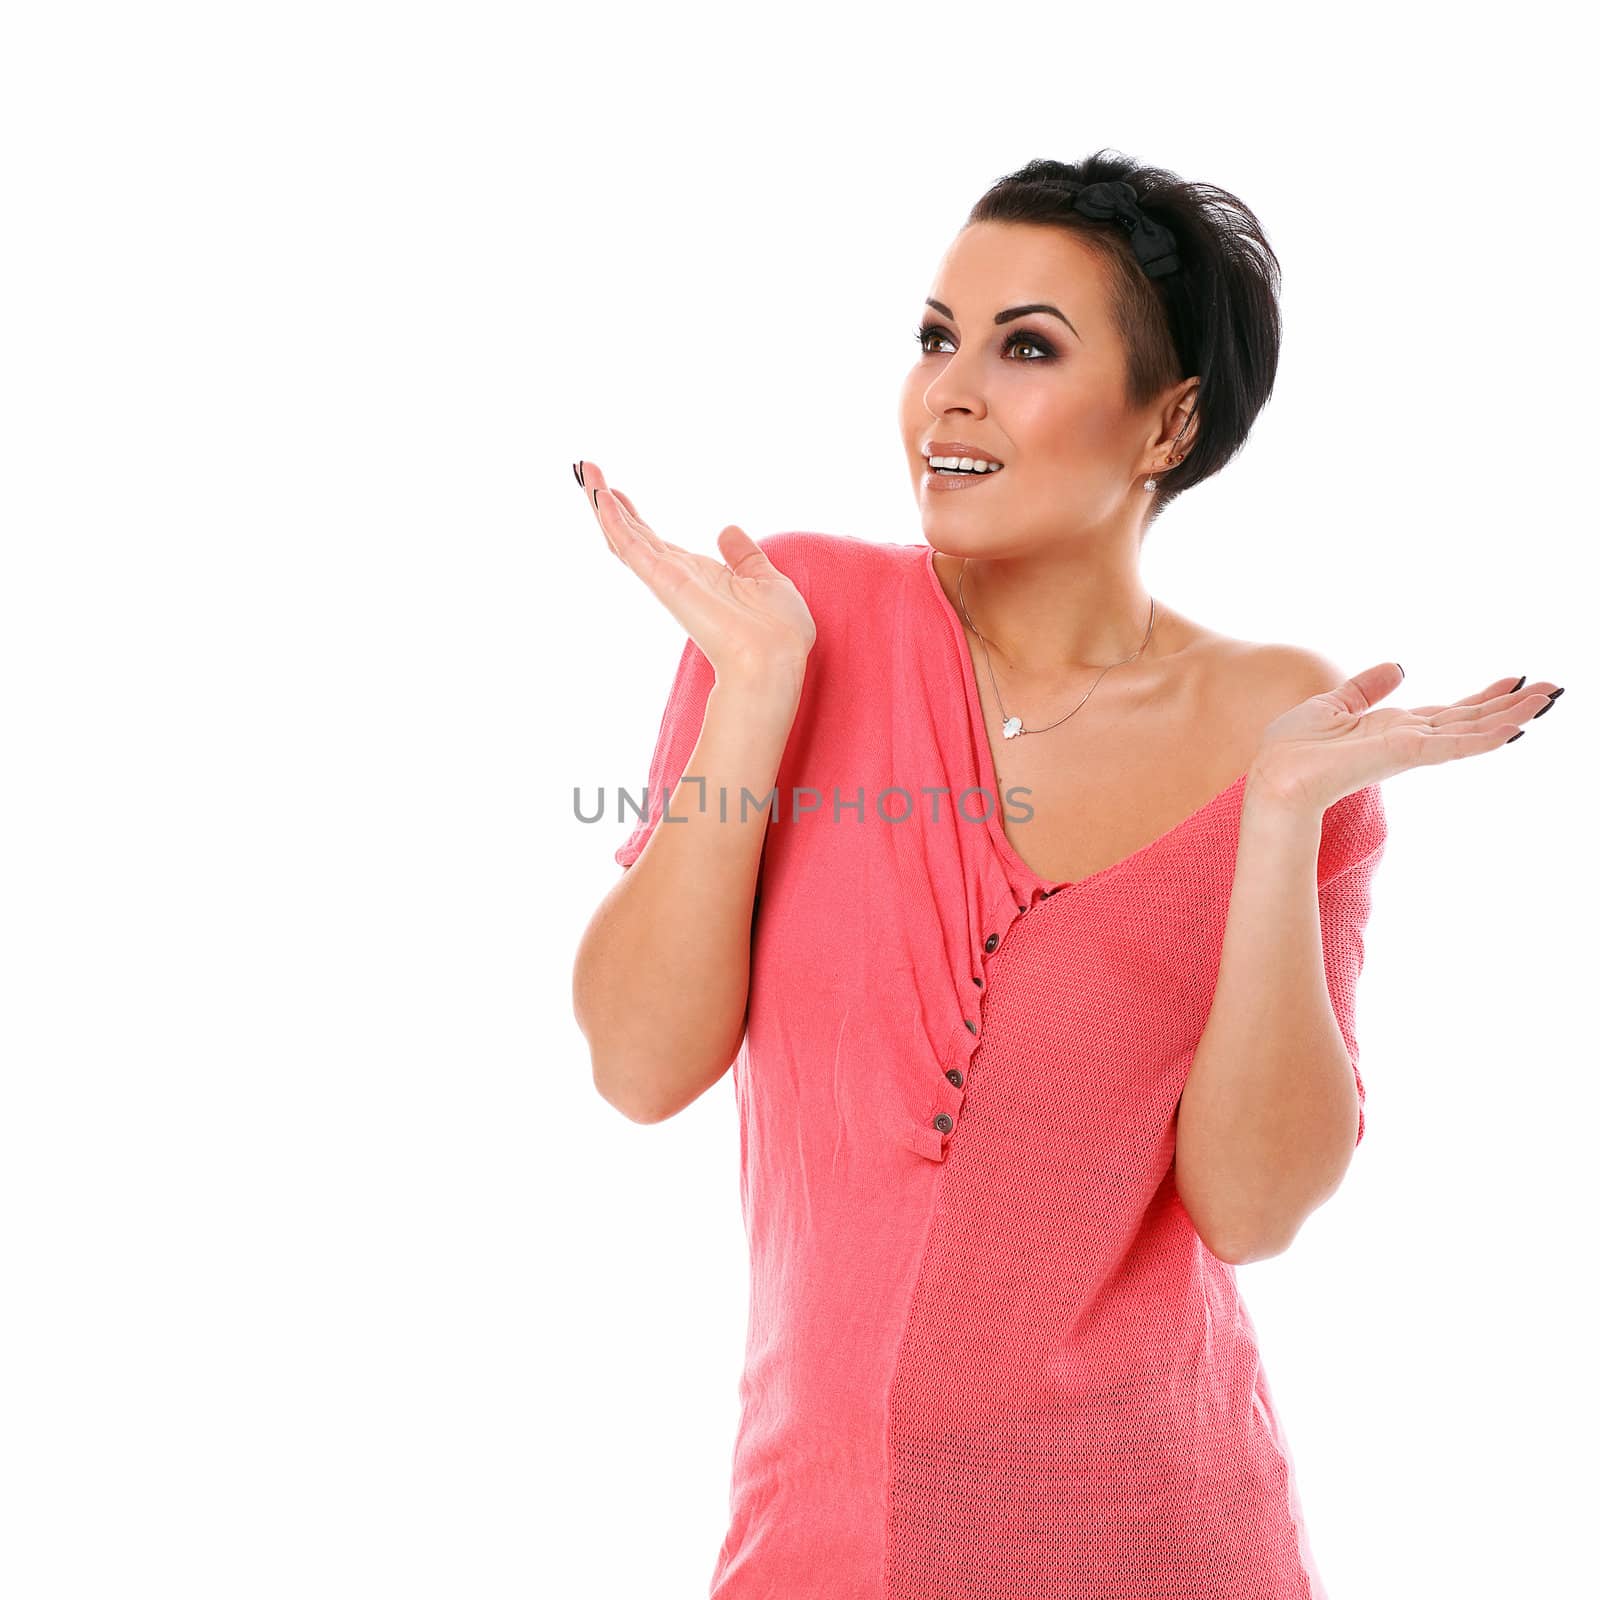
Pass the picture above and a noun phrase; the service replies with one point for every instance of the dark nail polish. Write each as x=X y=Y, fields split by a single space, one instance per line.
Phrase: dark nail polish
x=594 y=494
x=580 y=475
x=1402 y=669
x=1518 y=684
x=576 y=474
x=1555 y=694
x=1517 y=735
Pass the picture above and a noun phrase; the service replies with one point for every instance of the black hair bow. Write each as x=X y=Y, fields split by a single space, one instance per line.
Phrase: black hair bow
x=1155 y=246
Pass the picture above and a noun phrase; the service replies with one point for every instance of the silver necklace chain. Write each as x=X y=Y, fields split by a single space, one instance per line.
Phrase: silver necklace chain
x=1012 y=727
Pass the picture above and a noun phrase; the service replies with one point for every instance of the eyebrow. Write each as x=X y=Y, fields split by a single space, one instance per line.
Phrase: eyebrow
x=1008 y=316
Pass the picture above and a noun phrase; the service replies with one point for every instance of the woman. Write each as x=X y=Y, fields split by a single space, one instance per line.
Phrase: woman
x=1037 y=970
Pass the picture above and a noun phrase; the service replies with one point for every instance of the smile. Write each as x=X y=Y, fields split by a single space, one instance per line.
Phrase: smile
x=948 y=479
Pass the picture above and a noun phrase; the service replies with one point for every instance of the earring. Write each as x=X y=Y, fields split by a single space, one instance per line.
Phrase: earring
x=1150 y=482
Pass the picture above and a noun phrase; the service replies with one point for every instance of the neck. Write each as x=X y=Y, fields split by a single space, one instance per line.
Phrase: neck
x=1052 y=615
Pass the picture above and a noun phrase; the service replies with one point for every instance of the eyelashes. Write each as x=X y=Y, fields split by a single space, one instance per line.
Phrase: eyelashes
x=1012 y=341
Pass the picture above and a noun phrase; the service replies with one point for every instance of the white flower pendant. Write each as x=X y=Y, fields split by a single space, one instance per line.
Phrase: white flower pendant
x=1011 y=727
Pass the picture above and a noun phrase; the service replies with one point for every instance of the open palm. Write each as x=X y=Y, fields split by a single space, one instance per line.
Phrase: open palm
x=746 y=616
x=1341 y=740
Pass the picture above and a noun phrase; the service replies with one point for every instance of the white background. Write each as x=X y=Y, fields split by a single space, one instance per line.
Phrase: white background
x=326 y=1272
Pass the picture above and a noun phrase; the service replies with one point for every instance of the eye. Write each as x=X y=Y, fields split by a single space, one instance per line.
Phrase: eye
x=1014 y=340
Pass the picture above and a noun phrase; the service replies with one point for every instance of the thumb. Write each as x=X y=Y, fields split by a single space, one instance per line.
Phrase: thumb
x=1368 y=687
x=742 y=554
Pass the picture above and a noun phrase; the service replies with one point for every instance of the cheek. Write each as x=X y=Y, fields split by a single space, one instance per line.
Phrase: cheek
x=1049 y=423
x=1061 y=423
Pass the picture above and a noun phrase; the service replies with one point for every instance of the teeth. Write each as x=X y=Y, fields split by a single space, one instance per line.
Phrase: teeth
x=963 y=464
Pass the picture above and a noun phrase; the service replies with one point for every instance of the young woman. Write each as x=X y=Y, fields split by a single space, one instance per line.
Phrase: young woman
x=1028 y=912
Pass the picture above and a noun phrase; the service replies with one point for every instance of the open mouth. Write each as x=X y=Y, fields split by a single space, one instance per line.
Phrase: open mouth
x=975 y=469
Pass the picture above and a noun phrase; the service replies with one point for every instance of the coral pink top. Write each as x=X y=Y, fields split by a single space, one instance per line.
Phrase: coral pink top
x=988 y=1354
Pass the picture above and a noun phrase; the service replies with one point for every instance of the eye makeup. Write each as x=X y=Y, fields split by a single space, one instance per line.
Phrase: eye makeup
x=1011 y=342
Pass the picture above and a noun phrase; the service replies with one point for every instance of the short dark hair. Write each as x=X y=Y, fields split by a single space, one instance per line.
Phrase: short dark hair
x=1216 y=318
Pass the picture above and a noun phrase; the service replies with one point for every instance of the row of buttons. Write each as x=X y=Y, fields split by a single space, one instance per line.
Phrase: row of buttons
x=944 y=1122
x=990 y=945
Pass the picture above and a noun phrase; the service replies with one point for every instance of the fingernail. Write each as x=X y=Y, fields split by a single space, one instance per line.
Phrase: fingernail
x=577 y=472
x=1402 y=669
x=1517 y=685
x=594 y=494
x=1555 y=694
x=1517 y=735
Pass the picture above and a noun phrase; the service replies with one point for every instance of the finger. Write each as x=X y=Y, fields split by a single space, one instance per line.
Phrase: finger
x=620 y=525
x=1522 y=705
x=743 y=555
x=591 y=480
x=1432 y=746
x=627 y=535
x=1501 y=686
x=631 y=518
x=628 y=505
x=594 y=480
x=1367 y=688
x=644 y=530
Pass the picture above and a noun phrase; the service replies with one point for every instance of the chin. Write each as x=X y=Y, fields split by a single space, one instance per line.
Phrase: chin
x=950 y=543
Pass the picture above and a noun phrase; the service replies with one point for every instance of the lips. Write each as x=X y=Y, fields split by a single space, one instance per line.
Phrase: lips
x=966 y=481
x=959 y=447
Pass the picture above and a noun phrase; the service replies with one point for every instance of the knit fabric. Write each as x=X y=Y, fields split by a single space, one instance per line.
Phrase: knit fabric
x=988 y=1355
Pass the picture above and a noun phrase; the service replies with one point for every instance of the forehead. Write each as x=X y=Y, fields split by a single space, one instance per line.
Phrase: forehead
x=992 y=265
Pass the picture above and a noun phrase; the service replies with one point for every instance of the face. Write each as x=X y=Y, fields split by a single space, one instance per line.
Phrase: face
x=1044 y=398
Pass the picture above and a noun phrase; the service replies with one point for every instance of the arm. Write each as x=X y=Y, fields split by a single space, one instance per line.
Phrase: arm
x=1269 y=1117
x=661 y=980
x=660 y=983
x=1271 y=1112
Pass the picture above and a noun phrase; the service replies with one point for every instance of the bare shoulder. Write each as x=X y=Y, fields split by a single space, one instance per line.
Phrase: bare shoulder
x=1287 y=673
x=1256 y=679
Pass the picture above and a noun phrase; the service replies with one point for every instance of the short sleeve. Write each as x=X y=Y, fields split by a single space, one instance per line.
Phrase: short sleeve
x=685 y=711
x=676 y=738
x=1354 y=829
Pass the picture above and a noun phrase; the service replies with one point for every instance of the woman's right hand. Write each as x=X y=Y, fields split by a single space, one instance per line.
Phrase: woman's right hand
x=748 y=619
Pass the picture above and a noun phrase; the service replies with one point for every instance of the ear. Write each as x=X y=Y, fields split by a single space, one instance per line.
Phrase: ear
x=1177 y=426
x=1182 y=420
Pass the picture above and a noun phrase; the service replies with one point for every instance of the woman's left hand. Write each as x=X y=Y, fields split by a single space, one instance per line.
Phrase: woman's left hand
x=1342 y=740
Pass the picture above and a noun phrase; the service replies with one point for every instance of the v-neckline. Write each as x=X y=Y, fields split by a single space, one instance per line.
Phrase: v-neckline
x=986 y=778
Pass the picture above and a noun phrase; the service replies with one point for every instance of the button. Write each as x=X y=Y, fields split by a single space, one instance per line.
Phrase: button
x=954 y=1075
x=979 y=981
x=943 y=1123
x=991 y=942
x=970 y=1023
